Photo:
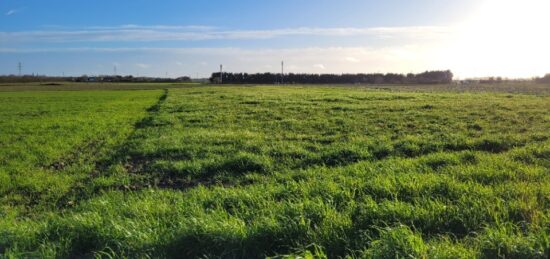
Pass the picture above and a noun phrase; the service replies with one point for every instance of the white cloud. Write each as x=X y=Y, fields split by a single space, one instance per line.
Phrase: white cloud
x=319 y=66
x=480 y=47
x=198 y=33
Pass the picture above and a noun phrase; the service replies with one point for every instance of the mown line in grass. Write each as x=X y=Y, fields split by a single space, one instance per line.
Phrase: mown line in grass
x=93 y=146
x=51 y=141
x=86 y=189
x=138 y=167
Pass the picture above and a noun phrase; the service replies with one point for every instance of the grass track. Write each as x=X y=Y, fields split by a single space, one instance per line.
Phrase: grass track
x=51 y=140
x=267 y=171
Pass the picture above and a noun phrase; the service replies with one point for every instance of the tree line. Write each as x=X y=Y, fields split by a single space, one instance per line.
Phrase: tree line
x=131 y=79
x=85 y=78
x=428 y=77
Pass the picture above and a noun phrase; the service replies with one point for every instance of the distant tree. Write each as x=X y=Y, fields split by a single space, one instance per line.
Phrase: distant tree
x=545 y=79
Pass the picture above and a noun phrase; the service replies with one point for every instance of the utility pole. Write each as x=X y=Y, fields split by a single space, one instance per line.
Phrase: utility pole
x=19 y=67
x=221 y=74
x=282 y=72
x=114 y=69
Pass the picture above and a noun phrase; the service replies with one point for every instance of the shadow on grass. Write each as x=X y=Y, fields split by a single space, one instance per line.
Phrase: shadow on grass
x=159 y=169
x=85 y=189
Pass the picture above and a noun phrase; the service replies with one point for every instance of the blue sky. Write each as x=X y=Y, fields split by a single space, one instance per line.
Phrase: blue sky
x=156 y=38
x=248 y=14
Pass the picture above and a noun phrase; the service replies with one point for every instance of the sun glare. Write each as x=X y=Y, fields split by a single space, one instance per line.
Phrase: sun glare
x=505 y=37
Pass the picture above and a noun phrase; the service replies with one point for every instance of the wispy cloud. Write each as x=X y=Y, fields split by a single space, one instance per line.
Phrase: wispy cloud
x=153 y=27
x=319 y=66
x=305 y=59
x=127 y=33
x=143 y=66
x=11 y=12
x=352 y=60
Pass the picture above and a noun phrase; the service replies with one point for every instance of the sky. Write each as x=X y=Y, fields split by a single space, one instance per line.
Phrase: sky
x=473 y=38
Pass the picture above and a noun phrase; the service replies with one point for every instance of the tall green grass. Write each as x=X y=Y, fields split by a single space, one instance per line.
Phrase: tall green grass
x=314 y=172
x=51 y=141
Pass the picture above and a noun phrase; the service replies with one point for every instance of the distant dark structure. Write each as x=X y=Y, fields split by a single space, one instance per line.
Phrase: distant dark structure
x=544 y=80
x=429 y=77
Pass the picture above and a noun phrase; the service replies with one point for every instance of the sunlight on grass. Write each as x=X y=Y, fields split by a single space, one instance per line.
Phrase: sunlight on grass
x=283 y=172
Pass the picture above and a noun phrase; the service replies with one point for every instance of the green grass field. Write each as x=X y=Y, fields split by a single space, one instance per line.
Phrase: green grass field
x=265 y=171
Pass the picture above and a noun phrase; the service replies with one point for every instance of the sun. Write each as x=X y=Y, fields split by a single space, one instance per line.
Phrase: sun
x=504 y=38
